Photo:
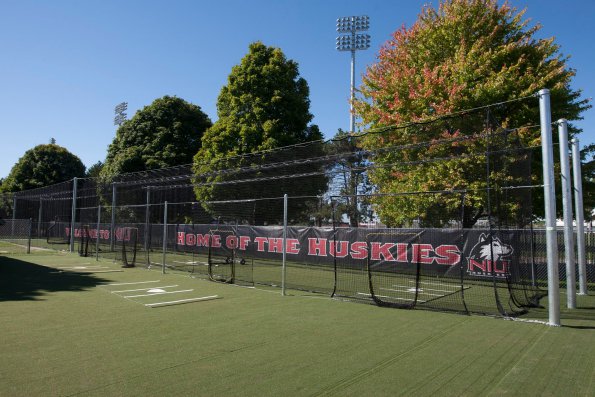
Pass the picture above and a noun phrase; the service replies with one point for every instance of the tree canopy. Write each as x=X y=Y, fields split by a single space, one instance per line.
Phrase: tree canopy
x=94 y=171
x=166 y=133
x=588 y=171
x=41 y=166
x=465 y=54
x=265 y=105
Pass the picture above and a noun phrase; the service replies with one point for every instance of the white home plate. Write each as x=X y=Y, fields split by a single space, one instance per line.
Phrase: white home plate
x=155 y=290
x=413 y=290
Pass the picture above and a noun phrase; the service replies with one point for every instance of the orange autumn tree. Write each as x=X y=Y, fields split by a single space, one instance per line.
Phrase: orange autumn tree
x=463 y=55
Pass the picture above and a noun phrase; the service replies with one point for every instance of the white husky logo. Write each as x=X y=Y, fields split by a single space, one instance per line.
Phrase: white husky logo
x=485 y=257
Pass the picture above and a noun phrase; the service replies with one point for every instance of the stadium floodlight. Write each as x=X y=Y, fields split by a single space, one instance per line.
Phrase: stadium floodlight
x=120 y=110
x=353 y=41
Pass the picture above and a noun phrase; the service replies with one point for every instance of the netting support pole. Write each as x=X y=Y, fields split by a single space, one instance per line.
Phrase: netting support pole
x=284 y=263
x=14 y=214
x=113 y=223
x=580 y=217
x=73 y=214
x=533 y=271
x=98 y=232
x=567 y=211
x=147 y=209
x=333 y=210
x=39 y=214
x=549 y=193
x=164 y=237
x=29 y=235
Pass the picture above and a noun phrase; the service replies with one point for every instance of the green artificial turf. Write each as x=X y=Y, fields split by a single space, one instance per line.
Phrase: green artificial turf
x=67 y=332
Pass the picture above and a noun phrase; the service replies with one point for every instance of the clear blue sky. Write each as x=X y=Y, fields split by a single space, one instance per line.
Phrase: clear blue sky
x=64 y=65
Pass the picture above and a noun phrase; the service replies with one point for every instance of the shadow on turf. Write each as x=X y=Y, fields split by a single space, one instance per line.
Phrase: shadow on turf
x=21 y=280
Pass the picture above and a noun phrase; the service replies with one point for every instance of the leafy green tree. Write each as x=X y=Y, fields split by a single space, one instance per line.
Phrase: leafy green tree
x=166 y=133
x=465 y=54
x=94 y=170
x=350 y=179
x=41 y=166
x=265 y=105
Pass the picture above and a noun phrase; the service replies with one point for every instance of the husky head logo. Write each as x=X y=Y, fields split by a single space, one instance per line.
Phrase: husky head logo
x=486 y=258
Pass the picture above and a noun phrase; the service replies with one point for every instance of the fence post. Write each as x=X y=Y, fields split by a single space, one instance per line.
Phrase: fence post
x=39 y=217
x=14 y=214
x=29 y=238
x=567 y=210
x=147 y=214
x=113 y=223
x=334 y=216
x=580 y=218
x=547 y=151
x=284 y=263
x=98 y=232
x=164 y=237
x=73 y=214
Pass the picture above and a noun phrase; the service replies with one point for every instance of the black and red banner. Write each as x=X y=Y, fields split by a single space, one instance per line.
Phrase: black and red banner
x=437 y=251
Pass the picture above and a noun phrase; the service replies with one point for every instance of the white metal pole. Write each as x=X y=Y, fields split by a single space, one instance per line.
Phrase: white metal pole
x=164 y=237
x=98 y=232
x=580 y=218
x=73 y=214
x=284 y=263
x=567 y=209
x=547 y=152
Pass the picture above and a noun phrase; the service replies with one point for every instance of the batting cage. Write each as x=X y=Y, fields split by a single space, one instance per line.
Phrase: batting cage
x=394 y=217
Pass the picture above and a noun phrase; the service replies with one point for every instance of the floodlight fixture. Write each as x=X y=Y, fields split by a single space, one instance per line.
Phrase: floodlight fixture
x=358 y=42
x=353 y=41
x=355 y=23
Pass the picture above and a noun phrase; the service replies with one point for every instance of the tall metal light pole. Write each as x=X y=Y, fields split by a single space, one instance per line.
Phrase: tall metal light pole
x=353 y=42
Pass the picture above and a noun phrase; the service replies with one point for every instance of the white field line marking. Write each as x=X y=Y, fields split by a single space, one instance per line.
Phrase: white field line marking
x=439 y=284
x=202 y=298
x=142 y=289
x=392 y=297
x=420 y=292
x=428 y=282
x=85 y=267
x=88 y=271
x=139 y=282
x=82 y=264
x=158 y=293
x=40 y=249
x=426 y=289
x=191 y=262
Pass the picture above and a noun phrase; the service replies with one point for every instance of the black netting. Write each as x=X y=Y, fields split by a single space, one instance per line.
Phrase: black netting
x=443 y=215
